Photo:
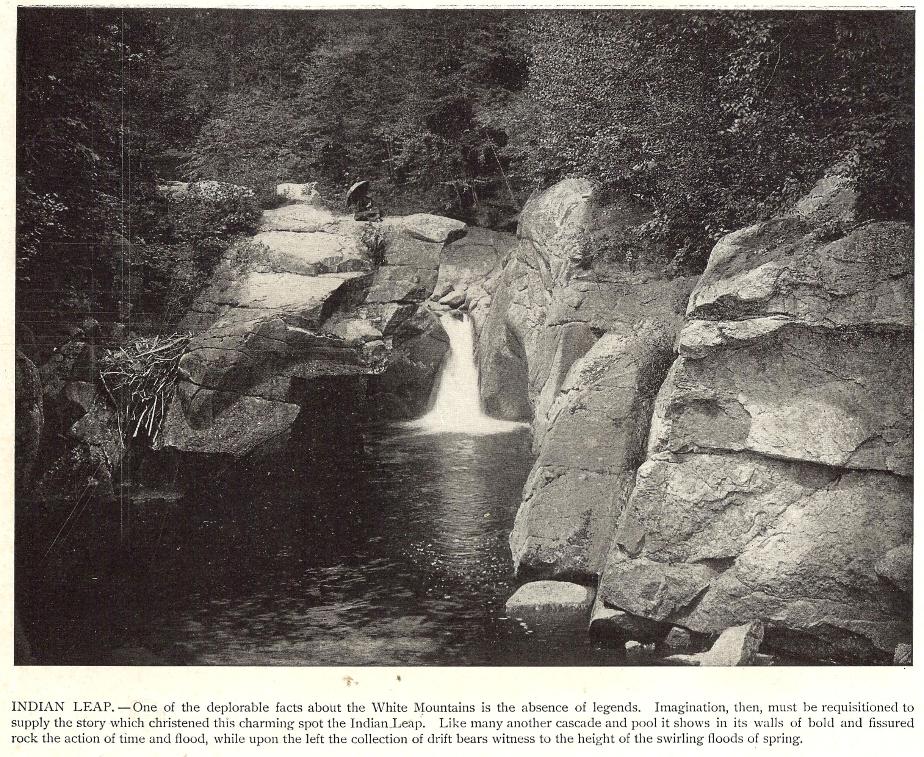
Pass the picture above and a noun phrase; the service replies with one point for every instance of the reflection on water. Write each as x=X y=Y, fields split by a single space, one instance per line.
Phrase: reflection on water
x=392 y=551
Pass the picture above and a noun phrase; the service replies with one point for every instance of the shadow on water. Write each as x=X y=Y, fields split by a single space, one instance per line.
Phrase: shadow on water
x=387 y=548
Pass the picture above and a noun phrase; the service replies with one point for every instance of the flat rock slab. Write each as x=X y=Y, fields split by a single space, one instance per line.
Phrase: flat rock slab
x=431 y=228
x=311 y=254
x=306 y=219
x=554 y=601
x=284 y=292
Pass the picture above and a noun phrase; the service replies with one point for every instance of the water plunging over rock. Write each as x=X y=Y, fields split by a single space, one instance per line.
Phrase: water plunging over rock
x=457 y=406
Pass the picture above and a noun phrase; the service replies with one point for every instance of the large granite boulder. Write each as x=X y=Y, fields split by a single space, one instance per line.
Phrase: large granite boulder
x=777 y=485
x=550 y=242
x=597 y=425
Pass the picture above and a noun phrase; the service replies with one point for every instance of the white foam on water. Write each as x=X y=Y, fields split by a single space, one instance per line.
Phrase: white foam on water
x=457 y=407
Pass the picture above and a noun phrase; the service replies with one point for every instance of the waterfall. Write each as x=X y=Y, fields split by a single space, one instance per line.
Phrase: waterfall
x=457 y=406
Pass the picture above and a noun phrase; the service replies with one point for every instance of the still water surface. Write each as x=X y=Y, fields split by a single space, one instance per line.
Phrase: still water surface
x=394 y=552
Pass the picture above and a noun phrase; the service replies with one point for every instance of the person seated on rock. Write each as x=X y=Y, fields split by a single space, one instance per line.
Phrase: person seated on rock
x=366 y=209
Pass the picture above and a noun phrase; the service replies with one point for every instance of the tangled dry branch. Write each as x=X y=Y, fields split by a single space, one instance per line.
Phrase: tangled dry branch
x=140 y=379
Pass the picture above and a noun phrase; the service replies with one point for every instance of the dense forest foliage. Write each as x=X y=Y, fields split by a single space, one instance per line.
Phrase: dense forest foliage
x=708 y=119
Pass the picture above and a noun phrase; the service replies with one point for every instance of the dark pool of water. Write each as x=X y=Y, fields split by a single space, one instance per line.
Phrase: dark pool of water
x=390 y=551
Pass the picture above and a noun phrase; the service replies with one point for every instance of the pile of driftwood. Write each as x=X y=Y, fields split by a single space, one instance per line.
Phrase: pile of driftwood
x=140 y=379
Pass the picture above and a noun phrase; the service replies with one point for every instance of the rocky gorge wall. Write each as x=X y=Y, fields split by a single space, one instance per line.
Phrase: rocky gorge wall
x=775 y=482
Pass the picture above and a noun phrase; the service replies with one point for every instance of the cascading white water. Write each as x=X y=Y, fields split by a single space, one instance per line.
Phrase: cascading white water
x=457 y=407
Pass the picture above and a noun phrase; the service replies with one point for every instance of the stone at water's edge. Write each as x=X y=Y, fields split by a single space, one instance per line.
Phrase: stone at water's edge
x=557 y=602
x=735 y=646
x=777 y=485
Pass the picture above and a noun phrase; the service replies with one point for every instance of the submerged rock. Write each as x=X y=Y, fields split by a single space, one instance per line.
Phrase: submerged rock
x=617 y=625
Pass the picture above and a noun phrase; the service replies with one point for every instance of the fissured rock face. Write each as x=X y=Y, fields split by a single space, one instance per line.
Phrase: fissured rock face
x=595 y=438
x=777 y=485
x=550 y=236
x=581 y=353
x=791 y=391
